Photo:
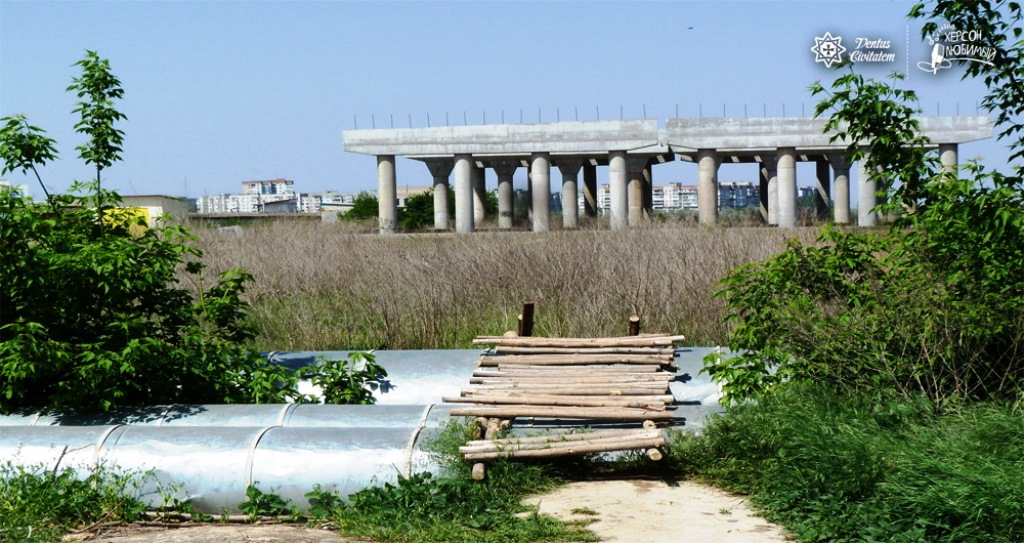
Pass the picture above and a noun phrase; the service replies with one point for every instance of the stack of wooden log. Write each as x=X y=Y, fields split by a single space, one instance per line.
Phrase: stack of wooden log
x=608 y=379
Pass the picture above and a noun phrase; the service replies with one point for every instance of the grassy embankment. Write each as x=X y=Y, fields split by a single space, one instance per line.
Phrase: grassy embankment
x=320 y=286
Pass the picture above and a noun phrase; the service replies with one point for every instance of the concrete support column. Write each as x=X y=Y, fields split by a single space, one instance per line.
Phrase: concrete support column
x=635 y=175
x=440 y=169
x=707 y=186
x=478 y=180
x=649 y=189
x=464 y=194
x=540 y=179
x=772 y=172
x=589 y=189
x=506 y=196
x=762 y=190
x=787 y=187
x=617 y=189
x=868 y=195
x=529 y=192
x=387 y=202
x=948 y=157
x=841 y=190
x=570 y=169
x=823 y=194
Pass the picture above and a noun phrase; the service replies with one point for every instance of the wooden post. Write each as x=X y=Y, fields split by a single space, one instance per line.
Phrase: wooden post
x=634 y=325
x=526 y=320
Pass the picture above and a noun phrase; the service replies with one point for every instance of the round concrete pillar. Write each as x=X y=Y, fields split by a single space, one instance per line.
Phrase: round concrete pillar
x=787 y=187
x=589 y=189
x=464 y=194
x=707 y=186
x=948 y=157
x=823 y=195
x=617 y=189
x=868 y=195
x=762 y=191
x=478 y=176
x=772 y=173
x=570 y=169
x=840 y=188
x=440 y=170
x=635 y=190
x=540 y=179
x=387 y=202
x=506 y=196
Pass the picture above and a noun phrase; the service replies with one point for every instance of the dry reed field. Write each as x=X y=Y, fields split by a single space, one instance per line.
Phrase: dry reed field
x=326 y=286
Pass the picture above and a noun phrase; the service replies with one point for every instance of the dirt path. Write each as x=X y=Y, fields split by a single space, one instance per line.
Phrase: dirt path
x=656 y=512
x=622 y=511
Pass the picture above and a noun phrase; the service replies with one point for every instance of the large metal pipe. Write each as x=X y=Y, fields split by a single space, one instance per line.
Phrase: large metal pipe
x=210 y=467
x=207 y=455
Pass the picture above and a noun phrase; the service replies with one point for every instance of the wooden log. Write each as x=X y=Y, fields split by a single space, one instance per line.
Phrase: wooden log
x=470 y=396
x=660 y=386
x=643 y=340
x=573 y=380
x=601 y=368
x=650 y=424
x=654 y=454
x=526 y=323
x=634 y=325
x=558 y=412
x=565 y=451
x=623 y=443
x=579 y=376
x=575 y=359
x=560 y=438
x=502 y=350
x=568 y=401
x=589 y=391
x=491 y=429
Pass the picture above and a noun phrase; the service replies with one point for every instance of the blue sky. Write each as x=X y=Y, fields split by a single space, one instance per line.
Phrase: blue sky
x=217 y=93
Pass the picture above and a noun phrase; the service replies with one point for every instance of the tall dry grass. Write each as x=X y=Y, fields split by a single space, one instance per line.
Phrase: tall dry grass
x=325 y=286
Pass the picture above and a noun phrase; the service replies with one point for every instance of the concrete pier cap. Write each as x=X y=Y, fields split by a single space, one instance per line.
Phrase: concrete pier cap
x=712 y=141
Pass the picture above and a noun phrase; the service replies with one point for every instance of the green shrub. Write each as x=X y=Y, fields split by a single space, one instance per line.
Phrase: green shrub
x=933 y=306
x=41 y=505
x=845 y=467
x=364 y=207
x=92 y=314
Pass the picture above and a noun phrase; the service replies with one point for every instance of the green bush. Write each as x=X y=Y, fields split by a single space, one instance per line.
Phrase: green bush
x=92 y=311
x=41 y=505
x=842 y=468
x=933 y=306
x=364 y=207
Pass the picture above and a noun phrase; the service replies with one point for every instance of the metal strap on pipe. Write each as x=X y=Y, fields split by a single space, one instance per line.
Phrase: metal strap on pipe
x=252 y=451
x=99 y=446
x=286 y=413
x=407 y=472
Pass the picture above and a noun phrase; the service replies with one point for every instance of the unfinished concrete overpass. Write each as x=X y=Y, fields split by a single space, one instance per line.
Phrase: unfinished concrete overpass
x=630 y=149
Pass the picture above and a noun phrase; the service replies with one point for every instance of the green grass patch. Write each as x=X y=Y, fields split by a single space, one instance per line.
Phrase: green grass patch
x=40 y=505
x=842 y=468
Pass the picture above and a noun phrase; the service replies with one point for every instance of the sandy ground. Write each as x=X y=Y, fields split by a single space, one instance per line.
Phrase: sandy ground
x=652 y=511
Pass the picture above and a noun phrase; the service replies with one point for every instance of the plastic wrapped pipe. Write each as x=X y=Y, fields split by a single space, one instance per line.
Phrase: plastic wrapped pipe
x=210 y=467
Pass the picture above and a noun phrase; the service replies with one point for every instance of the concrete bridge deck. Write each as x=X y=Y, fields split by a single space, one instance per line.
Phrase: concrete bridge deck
x=630 y=148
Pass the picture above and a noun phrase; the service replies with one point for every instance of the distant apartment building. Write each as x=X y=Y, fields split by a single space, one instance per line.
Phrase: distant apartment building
x=257 y=196
x=677 y=196
x=280 y=196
